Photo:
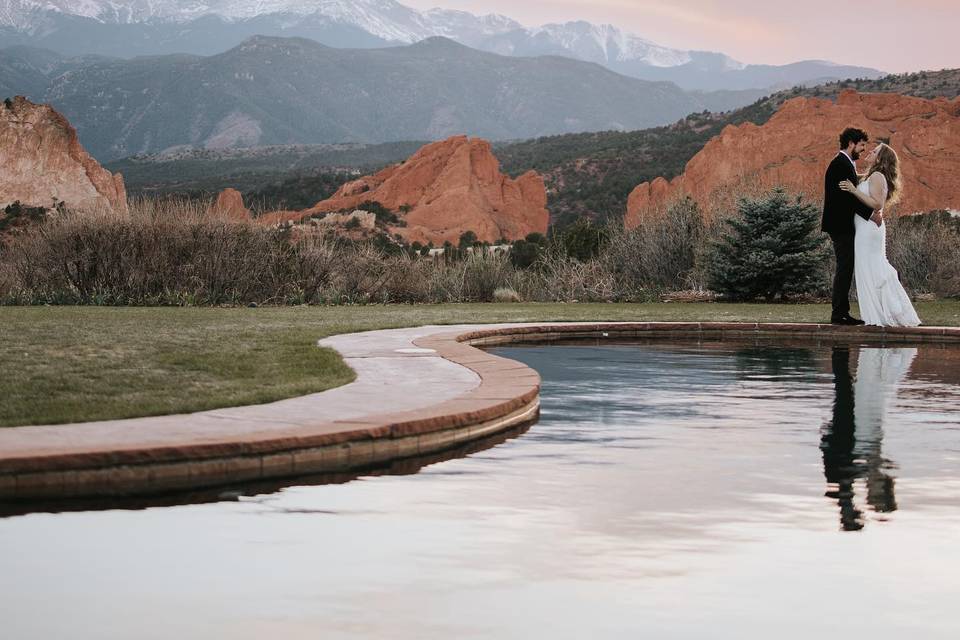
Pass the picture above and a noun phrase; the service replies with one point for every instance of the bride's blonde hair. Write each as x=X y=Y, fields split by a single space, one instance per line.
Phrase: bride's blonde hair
x=888 y=163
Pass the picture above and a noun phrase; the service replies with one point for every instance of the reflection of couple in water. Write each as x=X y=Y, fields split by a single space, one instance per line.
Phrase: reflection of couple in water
x=852 y=440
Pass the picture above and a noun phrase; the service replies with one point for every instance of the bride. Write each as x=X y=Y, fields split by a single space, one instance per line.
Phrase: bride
x=882 y=298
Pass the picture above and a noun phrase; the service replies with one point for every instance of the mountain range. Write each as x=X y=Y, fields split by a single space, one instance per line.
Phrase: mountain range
x=292 y=90
x=205 y=27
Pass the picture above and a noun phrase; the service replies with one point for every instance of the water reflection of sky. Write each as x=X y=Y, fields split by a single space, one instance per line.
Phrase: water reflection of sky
x=668 y=491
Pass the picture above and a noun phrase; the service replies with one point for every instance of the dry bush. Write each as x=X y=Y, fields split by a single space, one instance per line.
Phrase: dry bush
x=171 y=252
x=622 y=258
x=565 y=279
x=166 y=253
x=409 y=281
x=483 y=274
x=926 y=252
x=315 y=261
x=361 y=275
x=8 y=280
x=660 y=254
x=506 y=294
x=473 y=279
x=364 y=274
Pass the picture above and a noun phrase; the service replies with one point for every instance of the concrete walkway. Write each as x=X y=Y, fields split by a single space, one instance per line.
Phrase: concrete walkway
x=403 y=393
x=393 y=375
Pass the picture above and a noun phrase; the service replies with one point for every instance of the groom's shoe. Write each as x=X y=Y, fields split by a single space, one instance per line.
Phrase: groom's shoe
x=847 y=320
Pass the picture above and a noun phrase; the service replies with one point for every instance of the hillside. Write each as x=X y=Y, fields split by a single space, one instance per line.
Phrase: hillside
x=251 y=170
x=592 y=174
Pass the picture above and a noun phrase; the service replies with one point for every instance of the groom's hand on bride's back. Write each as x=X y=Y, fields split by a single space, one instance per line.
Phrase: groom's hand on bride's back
x=877 y=218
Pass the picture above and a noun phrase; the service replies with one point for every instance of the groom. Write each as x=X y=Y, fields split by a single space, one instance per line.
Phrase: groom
x=839 y=207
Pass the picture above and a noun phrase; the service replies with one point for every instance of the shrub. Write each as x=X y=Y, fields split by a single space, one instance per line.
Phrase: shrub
x=506 y=294
x=408 y=281
x=773 y=248
x=523 y=254
x=582 y=240
x=562 y=278
x=16 y=212
x=167 y=255
x=361 y=276
x=383 y=215
x=925 y=249
x=467 y=239
x=482 y=275
x=536 y=238
x=170 y=252
x=660 y=254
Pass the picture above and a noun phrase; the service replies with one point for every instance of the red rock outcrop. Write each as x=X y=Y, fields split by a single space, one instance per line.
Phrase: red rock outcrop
x=794 y=147
x=445 y=189
x=229 y=205
x=41 y=160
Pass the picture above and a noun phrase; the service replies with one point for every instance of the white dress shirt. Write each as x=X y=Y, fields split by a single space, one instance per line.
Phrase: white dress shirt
x=850 y=159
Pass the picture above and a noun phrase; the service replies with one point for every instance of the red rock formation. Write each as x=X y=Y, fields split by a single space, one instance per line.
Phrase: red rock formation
x=794 y=147
x=445 y=189
x=229 y=205
x=41 y=160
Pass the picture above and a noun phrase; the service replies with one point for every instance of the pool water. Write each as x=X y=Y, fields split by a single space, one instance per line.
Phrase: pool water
x=669 y=490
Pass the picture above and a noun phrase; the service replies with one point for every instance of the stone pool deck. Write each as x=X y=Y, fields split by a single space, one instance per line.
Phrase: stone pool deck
x=418 y=391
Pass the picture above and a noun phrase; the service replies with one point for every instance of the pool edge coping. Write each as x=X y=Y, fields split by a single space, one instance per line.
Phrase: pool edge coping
x=507 y=396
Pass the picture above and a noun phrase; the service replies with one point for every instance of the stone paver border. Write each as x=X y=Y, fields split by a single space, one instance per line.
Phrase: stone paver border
x=507 y=395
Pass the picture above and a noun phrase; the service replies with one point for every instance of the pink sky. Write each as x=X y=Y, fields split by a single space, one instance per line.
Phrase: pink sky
x=884 y=34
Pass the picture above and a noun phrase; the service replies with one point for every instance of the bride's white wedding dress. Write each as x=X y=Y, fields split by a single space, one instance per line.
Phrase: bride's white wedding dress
x=883 y=300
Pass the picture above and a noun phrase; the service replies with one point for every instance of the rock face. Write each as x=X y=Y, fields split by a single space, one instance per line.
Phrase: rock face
x=41 y=160
x=229 y=205
x=794 y=147
x=447 y=188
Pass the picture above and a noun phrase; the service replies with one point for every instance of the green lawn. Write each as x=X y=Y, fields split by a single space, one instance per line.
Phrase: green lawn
x=73 y=364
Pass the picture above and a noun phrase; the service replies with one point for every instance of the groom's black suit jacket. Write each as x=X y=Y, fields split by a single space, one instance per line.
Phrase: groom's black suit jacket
x=838 y=205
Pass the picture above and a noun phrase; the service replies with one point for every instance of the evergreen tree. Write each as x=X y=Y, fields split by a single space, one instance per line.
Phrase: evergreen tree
x=524 y=252
x=582 y=240
x=468 y=239
x=773 y=248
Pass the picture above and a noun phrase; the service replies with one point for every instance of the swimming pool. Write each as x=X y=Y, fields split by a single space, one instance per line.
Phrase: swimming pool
x=670 y=489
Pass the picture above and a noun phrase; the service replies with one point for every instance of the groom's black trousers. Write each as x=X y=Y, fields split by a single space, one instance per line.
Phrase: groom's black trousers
x=843 y=249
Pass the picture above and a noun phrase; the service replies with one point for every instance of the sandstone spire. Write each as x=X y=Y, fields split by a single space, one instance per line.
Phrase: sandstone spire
x=795 y=146
x=447 y=188
x=41 y=160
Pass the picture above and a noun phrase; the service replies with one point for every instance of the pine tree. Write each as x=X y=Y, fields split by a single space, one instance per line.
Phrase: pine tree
x=773 y=248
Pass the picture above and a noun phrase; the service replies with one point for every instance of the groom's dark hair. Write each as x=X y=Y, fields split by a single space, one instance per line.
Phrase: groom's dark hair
x=854 y=135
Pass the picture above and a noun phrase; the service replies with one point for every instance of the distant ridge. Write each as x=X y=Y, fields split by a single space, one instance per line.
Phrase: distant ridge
x=127 y=28
x=293 y=90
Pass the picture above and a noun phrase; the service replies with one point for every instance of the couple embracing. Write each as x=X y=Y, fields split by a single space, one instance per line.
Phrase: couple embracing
x=853 y=207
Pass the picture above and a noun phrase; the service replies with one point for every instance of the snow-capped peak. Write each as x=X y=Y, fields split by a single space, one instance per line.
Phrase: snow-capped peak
x=387 y=19
x=606 y=43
